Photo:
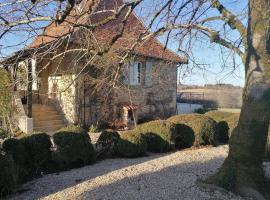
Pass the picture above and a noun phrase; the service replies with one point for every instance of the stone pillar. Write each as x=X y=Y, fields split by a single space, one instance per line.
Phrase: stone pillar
x=29 y=88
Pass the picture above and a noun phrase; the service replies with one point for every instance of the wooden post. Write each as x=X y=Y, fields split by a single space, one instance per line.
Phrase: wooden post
x=29 y=88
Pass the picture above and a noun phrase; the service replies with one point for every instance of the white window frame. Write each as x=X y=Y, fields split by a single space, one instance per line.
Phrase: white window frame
x=132 y=73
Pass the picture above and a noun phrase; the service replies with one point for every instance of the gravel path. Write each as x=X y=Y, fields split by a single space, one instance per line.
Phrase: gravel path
x=158 y=176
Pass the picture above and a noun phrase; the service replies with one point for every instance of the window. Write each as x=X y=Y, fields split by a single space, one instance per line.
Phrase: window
x=135 y=73
x=148 y=73
x=132 y=73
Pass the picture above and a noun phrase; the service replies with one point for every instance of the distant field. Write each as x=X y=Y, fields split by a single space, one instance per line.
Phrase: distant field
x=218 y=97
x=230 y=110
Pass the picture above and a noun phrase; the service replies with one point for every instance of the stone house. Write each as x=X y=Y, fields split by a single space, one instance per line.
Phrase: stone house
x=63 y=91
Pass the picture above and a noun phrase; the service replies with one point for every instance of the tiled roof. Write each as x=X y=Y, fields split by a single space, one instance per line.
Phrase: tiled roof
x=104 y=33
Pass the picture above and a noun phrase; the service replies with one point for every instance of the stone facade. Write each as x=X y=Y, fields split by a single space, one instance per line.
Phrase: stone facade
x=153 y=100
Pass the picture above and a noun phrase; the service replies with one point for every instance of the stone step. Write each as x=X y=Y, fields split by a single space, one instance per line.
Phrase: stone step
x=42 y=107
x=42 y=123
x=48 y=117
x=44 y=113
x=39 y=107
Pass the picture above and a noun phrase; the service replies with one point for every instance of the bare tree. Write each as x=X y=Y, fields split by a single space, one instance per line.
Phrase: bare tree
x=242 y=171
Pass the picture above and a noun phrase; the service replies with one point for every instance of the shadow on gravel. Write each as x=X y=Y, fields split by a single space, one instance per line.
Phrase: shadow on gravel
x=39 y=188
x=177 y=182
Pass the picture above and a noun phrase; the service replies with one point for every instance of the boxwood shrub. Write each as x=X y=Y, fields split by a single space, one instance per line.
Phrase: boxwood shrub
x=230 y=118
x=205 y=128
x=15 y=148
x=132 y=144
x=31 y=154
x=37 y=147
x=106 y=145
x=223 y=131
x=185 y=136
x=8 y=174
x=163 y=136
x=73 y=148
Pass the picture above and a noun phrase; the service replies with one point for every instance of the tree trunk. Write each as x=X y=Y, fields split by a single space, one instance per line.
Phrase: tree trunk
x=242 y=171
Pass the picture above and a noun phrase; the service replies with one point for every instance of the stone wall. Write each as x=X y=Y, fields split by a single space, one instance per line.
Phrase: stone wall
x=85 y=105
x=154 y=101
x=157 y=100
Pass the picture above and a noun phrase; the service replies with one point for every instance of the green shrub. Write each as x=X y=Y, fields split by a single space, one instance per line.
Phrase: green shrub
x=205 y=128
x=223 y=132
x=31 y=154
x=218 y=115
x=107 y=144
x=37 y=147
x=160 y=135
x=15 y=148
x=163 y=136
x=185 y=137
x=230 y=118
x=74 y=148
x=132 y=144
x=8 y=174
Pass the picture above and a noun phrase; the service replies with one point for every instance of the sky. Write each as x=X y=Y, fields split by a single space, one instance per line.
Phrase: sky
x=217 y=66
x=207 y=55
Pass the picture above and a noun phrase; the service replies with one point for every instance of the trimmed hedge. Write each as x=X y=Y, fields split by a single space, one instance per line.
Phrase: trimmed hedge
x=27 y=157
x=185 y=137
x=31 y=154
x=74 y=148
x=132 y=144
x=205 y=128
x=8 y=174
x=232 y=121
x=219 y=115
x=230 y=118
x=37 y=147
x=16 y=149
x=107 y=144
x=223 y=132
x=163 y=136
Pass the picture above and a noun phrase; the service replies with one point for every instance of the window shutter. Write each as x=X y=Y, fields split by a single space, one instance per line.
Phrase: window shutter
x=148 y=73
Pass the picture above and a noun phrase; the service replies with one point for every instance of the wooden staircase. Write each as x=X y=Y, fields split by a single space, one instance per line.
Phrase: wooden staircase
x=46 y=119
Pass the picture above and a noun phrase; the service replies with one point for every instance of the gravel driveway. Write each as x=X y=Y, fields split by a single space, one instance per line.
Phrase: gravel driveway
x=157 y=176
